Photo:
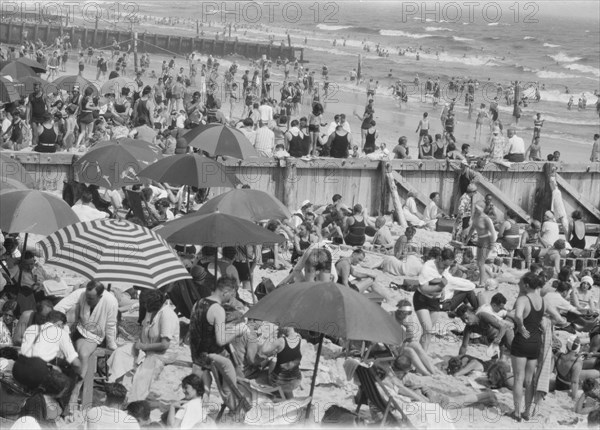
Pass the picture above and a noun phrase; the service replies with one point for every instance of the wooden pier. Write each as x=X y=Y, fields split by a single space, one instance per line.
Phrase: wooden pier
x=521 y=187
x=12 y=33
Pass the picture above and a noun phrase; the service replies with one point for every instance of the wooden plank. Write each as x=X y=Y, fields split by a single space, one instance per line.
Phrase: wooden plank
x=504 y=199
x=420 y=197
x=395 y=197
x=562 y=183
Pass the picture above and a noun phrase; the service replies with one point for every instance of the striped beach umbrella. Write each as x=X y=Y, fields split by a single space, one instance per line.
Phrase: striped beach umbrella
x=114 y=251
x=68 y=82
x=217 y=139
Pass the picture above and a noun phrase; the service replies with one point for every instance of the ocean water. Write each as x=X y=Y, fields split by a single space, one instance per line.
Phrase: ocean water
x=537 y=43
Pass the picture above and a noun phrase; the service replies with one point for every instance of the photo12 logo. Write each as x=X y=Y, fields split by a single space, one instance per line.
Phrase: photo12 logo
x=51 y=11
x=471 y=11
x=269 y=12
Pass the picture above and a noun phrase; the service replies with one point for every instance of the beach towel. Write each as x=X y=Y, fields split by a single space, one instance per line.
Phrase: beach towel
x=544 y=367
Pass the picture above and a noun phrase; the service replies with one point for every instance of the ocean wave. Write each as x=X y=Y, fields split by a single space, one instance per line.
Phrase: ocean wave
x=561 y=57
x=583 y=68
x=492 y=24
x=549 y=45
x=492 y=38
x=546 y=74
x=562 y=97
x=398 y=33
x=529 y=38
x=332 y=27
x=438 y=29
x=556 y=120
x=461 y=39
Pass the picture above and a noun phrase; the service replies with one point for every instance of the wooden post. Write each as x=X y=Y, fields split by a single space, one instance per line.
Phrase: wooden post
x=385 y=197
x=395 y=197
x=289 y=184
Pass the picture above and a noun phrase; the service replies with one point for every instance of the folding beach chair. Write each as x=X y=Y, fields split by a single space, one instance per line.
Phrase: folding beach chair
x=368 y=394
x=136 y=206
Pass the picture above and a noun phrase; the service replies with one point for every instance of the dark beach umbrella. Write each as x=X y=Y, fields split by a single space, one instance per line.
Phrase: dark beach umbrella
x=13 y=169
x=115 y=163
x=218 y=139
x=8 y=91
x=254 y=205
x=8 y=184
x=190 y=169
x=17 y=70
x=330 y=309
x=29 y=81
x=37 y=67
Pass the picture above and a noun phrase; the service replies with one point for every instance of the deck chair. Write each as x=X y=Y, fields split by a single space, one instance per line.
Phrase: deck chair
x=368 y=393
x=136 y=207
x=242 y=405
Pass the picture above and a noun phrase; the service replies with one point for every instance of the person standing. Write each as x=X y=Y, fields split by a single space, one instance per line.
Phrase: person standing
x=423 y=128
x=526 y=346
x=595 y=157
x=486 y=236
x=36 y=109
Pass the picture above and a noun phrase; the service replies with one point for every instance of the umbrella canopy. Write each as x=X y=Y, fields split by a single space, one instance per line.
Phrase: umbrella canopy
x=115 y=163
x=8 y=184
x=17 y=70
x=68 y=82
x=37 y=67
x=245 y=203
x=216 y=229
x=190 y=169
x=29 y=81
x=114 y=251
x=115 y=85
x=12 y=169
x=328 y=308
x=8 y=91
x=32 y=211
x=217 y=139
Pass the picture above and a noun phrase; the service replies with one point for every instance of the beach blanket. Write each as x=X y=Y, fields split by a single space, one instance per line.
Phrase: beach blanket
x=544 y=368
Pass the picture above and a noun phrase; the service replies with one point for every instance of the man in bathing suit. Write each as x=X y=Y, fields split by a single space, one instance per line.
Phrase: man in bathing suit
x=364 y=281
x=486 y=236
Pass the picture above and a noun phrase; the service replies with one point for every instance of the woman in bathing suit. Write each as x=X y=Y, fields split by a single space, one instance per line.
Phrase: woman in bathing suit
x=526 y=346
x=571 y=369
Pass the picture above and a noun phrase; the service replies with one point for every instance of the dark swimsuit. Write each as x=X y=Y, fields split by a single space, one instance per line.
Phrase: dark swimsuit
x=529 y=348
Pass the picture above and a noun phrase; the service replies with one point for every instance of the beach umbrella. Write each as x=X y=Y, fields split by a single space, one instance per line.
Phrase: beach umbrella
x=115 y=163
x=32 y=211
x=8 y=91
x=68 y=82
x=8 y=184
x=190 y=169
x=115 y=85
x=37 y=67
x=13 y=169
x=330 y=309
x=254 y=205
x=29 y=81
x=218 y=139
x=111 y=250
x=17 y=70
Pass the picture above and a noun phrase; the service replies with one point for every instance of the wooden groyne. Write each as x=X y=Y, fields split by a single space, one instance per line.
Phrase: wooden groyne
x=522 y=187
x=12 y=33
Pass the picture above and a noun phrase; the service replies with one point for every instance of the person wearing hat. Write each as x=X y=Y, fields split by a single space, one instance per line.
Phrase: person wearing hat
x=549 y=233
x=497 y=148
x=515 y=146
x=572 y=368
x=463 y=218
x=299 y=216
x=583 y=297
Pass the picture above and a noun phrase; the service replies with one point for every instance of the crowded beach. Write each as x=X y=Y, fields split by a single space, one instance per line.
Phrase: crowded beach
x=135 y=297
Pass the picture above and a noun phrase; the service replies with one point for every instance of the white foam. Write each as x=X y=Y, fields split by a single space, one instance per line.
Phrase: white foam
x=461 y=39
x=529 y=38
x=491 y=24
x=332 y=27
x=583 y=68
x=398 y=33
x=546 y=74
x=561 y=57
x=438 y=29
x=556 y=120
x=549 y=45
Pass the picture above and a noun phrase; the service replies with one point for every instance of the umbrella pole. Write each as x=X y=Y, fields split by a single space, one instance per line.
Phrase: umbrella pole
x=314 y=379
x=251 y=281
x=22 y=254
x=187 y=210
x=216 y=266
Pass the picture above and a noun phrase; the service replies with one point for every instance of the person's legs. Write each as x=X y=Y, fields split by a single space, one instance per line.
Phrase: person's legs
x=206 y=377
x=518 y=366
x=416 y=361
x=425 y=320
x=529 y=388
x=85 y=348
x=416 y=346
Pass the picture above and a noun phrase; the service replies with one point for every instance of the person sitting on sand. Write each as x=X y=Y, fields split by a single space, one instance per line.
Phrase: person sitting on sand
x=363 y=281
x=383 y=237
x=572 y=369
x=190 y=412
x=286 y=373
x=432 y=212
x=411 y=213
x=583 y=297
x=488 y=322
x=111 y=414
x=401 y=381
x=411 y=347
x=590 y=399
x=406 y=260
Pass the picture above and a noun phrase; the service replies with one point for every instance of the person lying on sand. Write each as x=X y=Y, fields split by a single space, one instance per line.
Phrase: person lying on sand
x=488 y=322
